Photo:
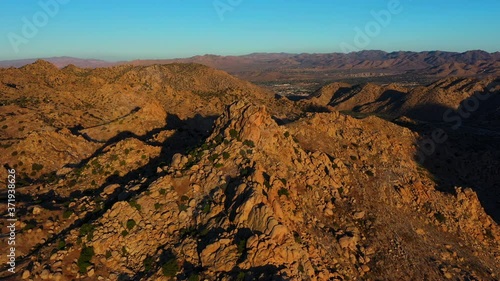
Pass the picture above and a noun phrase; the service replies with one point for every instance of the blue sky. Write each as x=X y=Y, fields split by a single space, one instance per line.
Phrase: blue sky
x=123 y=30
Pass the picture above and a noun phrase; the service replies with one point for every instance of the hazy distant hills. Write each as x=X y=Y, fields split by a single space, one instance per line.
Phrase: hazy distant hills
x=272 y=66
x=59 y=62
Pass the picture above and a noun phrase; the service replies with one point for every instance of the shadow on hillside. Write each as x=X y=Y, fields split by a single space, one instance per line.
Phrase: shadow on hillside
x=458 y=151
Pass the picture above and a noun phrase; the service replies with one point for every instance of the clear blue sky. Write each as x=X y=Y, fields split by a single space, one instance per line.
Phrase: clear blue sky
x=131 y=29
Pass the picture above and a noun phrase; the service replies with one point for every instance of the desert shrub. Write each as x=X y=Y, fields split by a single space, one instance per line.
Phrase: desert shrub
x=440 y=217
x=233 y=133
x=283 y=191
x=84 y=260
x=36 y=167
x=67 y=214
x=213 y=157
x=87 y=229
x=183 y=207
x=148 y=264
x=242 y=246
x=249 y=143
x=170 y=267
x=61 y=245
x=130 y=224
x=134 y=204
x=206 y=208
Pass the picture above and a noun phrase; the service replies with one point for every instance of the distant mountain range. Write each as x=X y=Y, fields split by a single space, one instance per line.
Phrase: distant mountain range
x=273 y=66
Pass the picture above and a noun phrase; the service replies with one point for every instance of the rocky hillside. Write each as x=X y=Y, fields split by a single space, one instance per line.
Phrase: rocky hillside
x=181 y=172
x=428 y=103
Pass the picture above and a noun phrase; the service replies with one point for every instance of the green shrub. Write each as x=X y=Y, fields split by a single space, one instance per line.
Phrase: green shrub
x=242 y=246
x=283 y=191
x=130 y=224
x=241 y=276
x=287 y=134
x=84 y=260
x=170 y=268
x=213 y=157
x=233 y=133
x=148 y=264
x=226 y=155
x=36 y=167
x=124 y=233
x=163 y=191
x=157 y=206
x=87 y=230
x=206 y=208
x=134 y=204
x=440 y=217
x=61 y=245
x=194 y=277
x=249 y=143
x=183 y=207
x=67 y=214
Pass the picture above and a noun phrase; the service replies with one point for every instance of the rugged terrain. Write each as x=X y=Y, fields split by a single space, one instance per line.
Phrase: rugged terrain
x=376 y=66
x=184 y=172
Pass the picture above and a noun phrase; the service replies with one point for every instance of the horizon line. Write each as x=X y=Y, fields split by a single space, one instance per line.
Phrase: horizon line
x=243 y=55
